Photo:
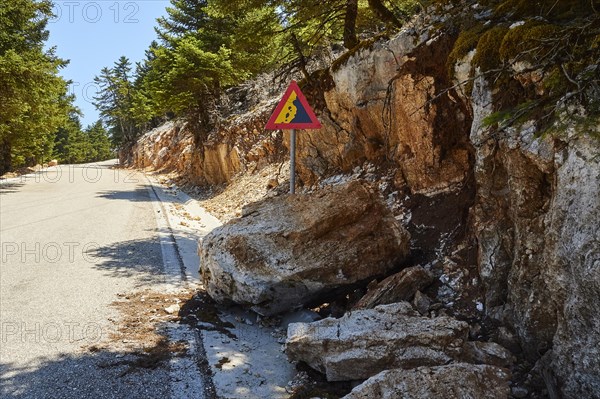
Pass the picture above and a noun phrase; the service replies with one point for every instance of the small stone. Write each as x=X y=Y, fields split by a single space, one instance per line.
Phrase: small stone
x=399 y=287
x=272 y=183
x=491 y=353
x=479 y=306
x=475 y=331
x=508 y=340
x=519 y=392
x=421 y=302
x=172 y=309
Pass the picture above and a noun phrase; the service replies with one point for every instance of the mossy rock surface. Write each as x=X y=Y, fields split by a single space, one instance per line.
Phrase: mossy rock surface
x=533 y=37
x=561 y=10
x=467 y=40
x=559 y=41
x=487 y=56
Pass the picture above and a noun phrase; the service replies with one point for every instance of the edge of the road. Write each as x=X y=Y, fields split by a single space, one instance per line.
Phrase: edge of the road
x=257 y=367
x=24 y=177
x=187 y=221
x=190 y=375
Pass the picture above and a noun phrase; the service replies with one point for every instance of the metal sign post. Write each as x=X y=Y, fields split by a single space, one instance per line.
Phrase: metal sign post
x=293 y=161
x=293 y=112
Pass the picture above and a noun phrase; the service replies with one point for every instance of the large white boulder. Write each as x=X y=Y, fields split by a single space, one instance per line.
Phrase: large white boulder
x=287 y=251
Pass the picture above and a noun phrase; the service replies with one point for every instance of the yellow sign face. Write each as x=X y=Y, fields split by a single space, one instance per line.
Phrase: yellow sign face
x=289 y=111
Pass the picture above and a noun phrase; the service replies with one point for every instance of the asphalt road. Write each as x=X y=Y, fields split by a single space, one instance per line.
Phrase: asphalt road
x=72 y=238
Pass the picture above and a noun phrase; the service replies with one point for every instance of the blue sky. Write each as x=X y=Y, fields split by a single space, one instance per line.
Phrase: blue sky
x=94 y=34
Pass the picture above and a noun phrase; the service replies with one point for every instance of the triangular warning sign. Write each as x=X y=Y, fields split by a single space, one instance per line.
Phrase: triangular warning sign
x=293 y=112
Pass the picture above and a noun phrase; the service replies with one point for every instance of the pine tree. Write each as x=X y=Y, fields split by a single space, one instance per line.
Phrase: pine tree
x=33 y=97
x=202 y=51
x=115 y=101
x=66 y=135
x=99 y=141
x=76 y=145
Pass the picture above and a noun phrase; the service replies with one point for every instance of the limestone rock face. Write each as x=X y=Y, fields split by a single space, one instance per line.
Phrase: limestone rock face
x=519 y=211
x=458 y=380
x=379 y=109
x=169 y=147
x=286 y=251
x=365 y=342
x=573 y=256
x=399 y=287
x=234 y=147
x=536 y=219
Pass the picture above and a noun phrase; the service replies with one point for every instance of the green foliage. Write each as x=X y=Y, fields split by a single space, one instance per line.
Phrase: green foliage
x=206 y=46
x=64 y=138
x=115 y=101
x=185 y=78
x=203 y=49
x=555 y=10
x=100 y=143
x=555 y=49
x=467 y=41
x=145 y=111
x=253 y=42
x=33 y=99
x=529 y=41
x=74 y=145
x=487 y=56
x=507 y=117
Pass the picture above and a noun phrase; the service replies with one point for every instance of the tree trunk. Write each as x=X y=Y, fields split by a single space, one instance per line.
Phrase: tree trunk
x=5 y=157
x=350 y=39
x=301 y=58
x=383 y=13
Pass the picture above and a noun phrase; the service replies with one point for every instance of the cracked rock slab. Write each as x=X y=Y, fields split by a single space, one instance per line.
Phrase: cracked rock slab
x=459 y=380
x=365 y=342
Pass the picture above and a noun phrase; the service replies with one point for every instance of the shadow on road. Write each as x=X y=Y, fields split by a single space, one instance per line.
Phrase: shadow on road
x=139 y=194
x=139 y=258
x=93 y=373
x=8 y=188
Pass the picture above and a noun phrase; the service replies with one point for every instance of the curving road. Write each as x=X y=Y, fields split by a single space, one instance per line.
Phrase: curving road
x=71 y=239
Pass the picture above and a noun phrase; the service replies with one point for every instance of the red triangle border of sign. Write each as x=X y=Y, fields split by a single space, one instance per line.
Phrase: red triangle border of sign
x=314 y=124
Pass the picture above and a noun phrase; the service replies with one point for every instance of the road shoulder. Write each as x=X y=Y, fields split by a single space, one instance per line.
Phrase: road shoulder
x=243 y=351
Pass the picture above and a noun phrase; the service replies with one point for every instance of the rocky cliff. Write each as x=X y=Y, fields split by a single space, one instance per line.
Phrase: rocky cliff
x=536 y=222
x=507 y=220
